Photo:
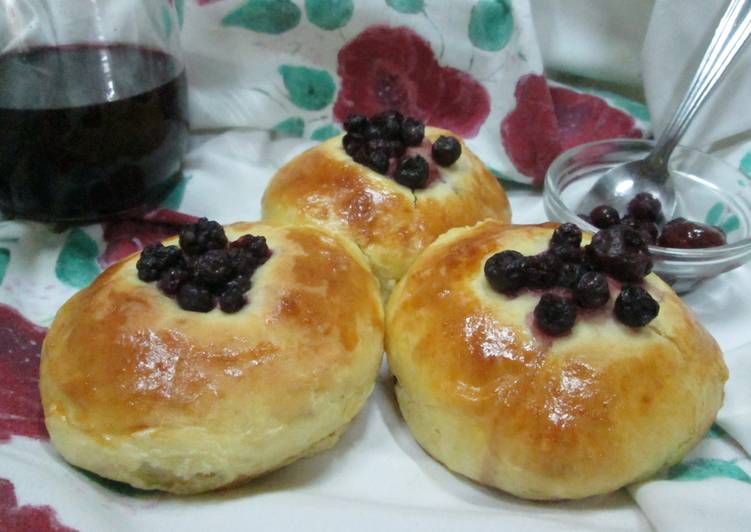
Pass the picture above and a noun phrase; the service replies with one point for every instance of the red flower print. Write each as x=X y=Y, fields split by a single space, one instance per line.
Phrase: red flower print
x=586 y=118
x=530 y=132
x=20 y=405
x=546 y=121
x=15 y=518
x=394 y=68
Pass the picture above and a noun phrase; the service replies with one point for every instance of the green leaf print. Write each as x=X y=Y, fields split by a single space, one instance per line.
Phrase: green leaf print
x=308 y=88
x=704 y=468
x=329 y=14
x=4 y=261
x=714 y=214
x=715 y=431
x=324 y=133
x=175 y=198
x=745 y=165
x=508 y=183
x=117 y=487
x=491 y=24
x=180 y=8
x=292 y=127
x=265 y=16
x=76 y=265
x=409 y=7
x=167 y=21
x=720 y=215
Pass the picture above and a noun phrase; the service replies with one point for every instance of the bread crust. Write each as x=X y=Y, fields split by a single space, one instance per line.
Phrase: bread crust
x=138 y=390
x=389 y=222
x=543 y=418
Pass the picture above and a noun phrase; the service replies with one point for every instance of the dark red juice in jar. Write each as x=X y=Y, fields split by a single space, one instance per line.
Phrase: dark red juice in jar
x=88 y=131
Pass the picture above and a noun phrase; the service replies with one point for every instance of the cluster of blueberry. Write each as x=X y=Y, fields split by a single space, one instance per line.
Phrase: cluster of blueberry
x=206 y=268
x=385 y=137
x=618 y=252
x=644 y=214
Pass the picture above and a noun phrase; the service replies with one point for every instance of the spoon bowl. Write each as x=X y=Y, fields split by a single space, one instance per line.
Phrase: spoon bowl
x=621 y=183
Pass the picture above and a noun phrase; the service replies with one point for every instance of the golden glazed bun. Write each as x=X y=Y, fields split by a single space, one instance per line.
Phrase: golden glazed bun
x=543 y=418
x=391 y=223
x=138 y=390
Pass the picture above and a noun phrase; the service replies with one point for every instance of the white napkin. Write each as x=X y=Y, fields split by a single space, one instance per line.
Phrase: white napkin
x=678 y=34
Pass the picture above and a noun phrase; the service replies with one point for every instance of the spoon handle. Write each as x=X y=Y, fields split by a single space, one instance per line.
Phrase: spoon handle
x=731 y=34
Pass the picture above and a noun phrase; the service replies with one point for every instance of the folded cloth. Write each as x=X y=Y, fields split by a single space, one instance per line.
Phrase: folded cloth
x=470 y=66
x=679 y=32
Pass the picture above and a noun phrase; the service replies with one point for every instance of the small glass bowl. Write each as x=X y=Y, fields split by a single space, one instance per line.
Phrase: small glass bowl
x=708 y=190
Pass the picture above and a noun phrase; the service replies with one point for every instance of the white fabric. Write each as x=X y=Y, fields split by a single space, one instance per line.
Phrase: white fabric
x=235 y=80
x=595 y=39
x=377 y=477
x=678 y=33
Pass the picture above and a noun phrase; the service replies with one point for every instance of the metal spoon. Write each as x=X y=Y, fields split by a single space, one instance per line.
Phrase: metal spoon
x=621 y=183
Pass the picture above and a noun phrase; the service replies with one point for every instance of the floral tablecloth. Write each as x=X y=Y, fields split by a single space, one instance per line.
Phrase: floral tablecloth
x=270 y=78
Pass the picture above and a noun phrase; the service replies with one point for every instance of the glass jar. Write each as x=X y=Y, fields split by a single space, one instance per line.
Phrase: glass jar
x=93 y=107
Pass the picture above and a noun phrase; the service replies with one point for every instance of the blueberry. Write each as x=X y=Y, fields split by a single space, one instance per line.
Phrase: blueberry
x=213 y=267
x=542 y=270
x=413 y=132
x=231 y=300
x=241 y=283
x=372 y=132
x=645 y=207
x=446 y=150
x=592 y=290
x=256 y=245
x=566 y=235
x=379 y=144
x=565 y=243
x=172 y=279
x=202 y=236
x=555 y=315
x=397 y=148
x=568 y=253
x=620 y=252
x=412 y=172
x=195 y=298
x=378 y=161
x=356 y=124
x=362 y=155
x=648 y=231
x=171 y=256
x=504 y=271
x=390 y=123
x=147 y=271
x=155 y=259
x=604 y=216
x=569 y=274
x=352 y=144
x=241 y=261
x=635 y=307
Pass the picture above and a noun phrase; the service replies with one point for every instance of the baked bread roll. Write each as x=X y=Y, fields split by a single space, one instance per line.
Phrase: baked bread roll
x=138 y=390
x=390 y=222
x=543 y=417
